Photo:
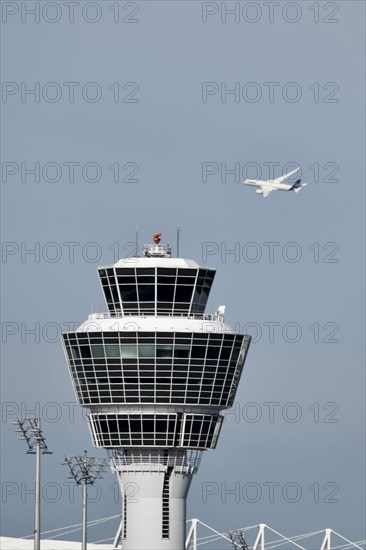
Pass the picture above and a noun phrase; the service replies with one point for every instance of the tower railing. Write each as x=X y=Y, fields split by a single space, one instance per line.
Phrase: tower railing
x=194 y=316
x=184 y=460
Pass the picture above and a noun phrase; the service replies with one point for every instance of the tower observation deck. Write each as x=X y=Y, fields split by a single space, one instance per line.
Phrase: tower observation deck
x=155 y=372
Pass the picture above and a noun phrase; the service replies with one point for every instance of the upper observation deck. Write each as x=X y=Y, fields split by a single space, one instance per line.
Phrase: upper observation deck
x=156 y=284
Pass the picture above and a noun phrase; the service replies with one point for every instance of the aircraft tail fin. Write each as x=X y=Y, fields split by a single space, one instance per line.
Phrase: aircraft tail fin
x=296 y=186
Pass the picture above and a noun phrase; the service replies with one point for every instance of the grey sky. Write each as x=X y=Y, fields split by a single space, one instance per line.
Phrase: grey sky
x=169 y=133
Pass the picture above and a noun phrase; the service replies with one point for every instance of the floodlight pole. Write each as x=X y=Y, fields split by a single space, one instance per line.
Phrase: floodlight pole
x=30 y=428
x=84 y=470
x=85 y=515
x=37 y=510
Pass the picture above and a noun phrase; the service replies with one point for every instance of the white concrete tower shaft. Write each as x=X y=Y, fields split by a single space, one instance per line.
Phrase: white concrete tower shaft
x=155 y=495
x=155 y=372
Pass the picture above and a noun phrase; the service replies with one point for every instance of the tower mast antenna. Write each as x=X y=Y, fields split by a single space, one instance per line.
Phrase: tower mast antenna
x=137 y=240
x=178 y=239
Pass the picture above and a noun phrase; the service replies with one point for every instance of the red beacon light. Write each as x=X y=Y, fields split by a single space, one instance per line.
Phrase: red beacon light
x=156 y=237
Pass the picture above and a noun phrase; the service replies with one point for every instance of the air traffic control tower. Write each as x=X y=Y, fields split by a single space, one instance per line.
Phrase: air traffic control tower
x=155 y=372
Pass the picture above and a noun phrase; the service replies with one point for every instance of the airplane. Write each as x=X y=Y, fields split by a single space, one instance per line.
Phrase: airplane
x=267 y=186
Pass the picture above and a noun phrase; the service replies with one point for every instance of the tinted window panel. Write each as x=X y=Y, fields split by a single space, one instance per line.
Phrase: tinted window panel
x=97 y=351
x=127 y=280
x=125 y=271
x=213 y=352
x=128 y=351
x=146 y=293
x=128 y=293
x=146 y=350
x=166 y=281
x=132 y=307
x=146 y=279
x=187 y=272
x=75 y=352
x=164 y=350
x=107 y=293
x=166 y=271
x=181 y=351
x=115 y=293
x=165 y=293
x=85 y=352
x=145 y=271
x=183 y=293
x=199 y=351
x=112 y=351
x=185 y=281
x=181 y=307
x=225 y=353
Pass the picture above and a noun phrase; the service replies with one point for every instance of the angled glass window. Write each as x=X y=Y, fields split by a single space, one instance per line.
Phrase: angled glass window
x=213 y=352
x=146 y=293
x=97 y=351
x=132 y=307
x=128 y=351
x=164 y=350
x=125 y=271
x=141 y=279
x=75 y=352
x=183 y=272
x=146 y=350
x=112 y=350
x=185 y=281
x=166 y=293
x=183 y=293
x=146 y=337
x=198 y=352
x=163 y=307
x=85 y=352
x=115 y=293
x=130 y=280
x=107 y=293
x=128 y=293
x=235 y=354
x=167 y=271
x=225 y=353
x=181 y=351
x=110 y=337
x=145 y=271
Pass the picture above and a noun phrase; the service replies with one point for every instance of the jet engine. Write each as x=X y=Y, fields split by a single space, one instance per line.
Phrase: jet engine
x=259 y=191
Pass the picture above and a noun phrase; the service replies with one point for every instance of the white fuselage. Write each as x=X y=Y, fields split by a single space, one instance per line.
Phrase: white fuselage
x=271 y=184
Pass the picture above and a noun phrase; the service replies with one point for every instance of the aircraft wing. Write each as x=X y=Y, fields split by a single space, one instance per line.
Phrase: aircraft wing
x=281 y=178
x=266 y=190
